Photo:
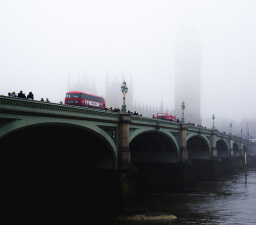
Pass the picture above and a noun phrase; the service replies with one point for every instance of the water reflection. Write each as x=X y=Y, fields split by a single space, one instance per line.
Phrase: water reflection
x=232 y=201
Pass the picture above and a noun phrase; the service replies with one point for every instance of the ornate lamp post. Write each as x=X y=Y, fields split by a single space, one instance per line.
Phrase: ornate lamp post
x=248 y=134
x=213 y=118
x=241 y=133
x=124 y=90
x=247 y=127
x=230 y=128
x=183 y=108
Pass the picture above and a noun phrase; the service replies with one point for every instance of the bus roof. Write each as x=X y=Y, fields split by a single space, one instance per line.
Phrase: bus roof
x=81 y=92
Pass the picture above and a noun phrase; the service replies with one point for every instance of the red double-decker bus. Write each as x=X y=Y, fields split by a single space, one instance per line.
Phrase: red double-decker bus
x=165 y=116
x=84 y=99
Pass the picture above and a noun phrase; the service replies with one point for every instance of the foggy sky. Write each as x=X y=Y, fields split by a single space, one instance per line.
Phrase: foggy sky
x=42 y=43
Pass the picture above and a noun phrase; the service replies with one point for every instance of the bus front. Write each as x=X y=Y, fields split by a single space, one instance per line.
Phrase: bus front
x=73 y=98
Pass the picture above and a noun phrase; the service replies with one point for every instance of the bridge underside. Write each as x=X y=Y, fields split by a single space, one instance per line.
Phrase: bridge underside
x=155 y=156
x=153 y=147
x=222 y=149
x=198 y=148
x=57 y=145
x=236 y=149
x=58 y=167
x=245 y=148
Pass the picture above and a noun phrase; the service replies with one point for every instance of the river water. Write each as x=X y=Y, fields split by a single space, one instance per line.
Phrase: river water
x=231 y=201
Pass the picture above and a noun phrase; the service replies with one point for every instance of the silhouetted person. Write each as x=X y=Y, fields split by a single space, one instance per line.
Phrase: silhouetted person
x=42 y=99
x=47 y=100
x=21 y=95
x=30 y=96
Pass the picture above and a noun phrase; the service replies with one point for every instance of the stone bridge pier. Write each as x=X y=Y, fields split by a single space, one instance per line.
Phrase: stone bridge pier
x=127 y=174
x=185 y=168
x=124 y=154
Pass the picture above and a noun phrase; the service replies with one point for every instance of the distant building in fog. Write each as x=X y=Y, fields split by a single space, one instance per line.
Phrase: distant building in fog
x=82 y=84
x=188 y=74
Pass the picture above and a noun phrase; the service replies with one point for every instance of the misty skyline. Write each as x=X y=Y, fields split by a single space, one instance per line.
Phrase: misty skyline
x=43 y=43
x=188 y=63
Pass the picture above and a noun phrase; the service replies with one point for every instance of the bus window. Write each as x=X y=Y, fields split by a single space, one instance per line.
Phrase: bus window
x=73 y=95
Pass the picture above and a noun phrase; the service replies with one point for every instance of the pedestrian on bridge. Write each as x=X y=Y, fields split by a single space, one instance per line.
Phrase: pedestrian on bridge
x=21 y=95
x=30 y=96
x=13 y=94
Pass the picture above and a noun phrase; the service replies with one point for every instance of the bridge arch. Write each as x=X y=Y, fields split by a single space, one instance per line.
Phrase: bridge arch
x=198 y=147
x=153 y=146
x=222 y=148
x=155 y=154
x=47 y=168
x=63 y=144
x=236 y=149
x=245 y=148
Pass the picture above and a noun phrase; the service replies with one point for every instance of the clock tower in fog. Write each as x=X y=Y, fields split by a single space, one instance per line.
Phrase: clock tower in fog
x=188 y=74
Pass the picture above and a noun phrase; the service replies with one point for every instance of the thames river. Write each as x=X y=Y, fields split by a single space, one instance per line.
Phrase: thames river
x=231 y=201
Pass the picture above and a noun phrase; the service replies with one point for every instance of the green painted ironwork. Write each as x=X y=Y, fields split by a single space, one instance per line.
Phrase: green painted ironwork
x=16 y=113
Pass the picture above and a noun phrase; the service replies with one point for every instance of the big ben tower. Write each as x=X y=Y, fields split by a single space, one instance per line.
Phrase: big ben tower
x=188 y=74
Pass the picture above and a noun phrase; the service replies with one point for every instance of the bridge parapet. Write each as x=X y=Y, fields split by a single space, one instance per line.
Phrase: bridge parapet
x=154 y=122
x=221 y=135
x=199 y=130
x=15 y=105
x=227 y=136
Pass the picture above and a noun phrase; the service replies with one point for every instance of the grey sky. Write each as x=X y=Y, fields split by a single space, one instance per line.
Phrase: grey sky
x=42 y=43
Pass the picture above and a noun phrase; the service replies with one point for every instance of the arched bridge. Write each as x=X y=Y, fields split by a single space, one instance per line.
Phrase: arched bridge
x=104 y=139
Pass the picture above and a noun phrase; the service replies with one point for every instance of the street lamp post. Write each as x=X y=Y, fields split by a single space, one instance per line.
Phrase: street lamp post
x=247 y=131
x=124 y=90
x=183 y=108
x=213 y=118
x=230 y=129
